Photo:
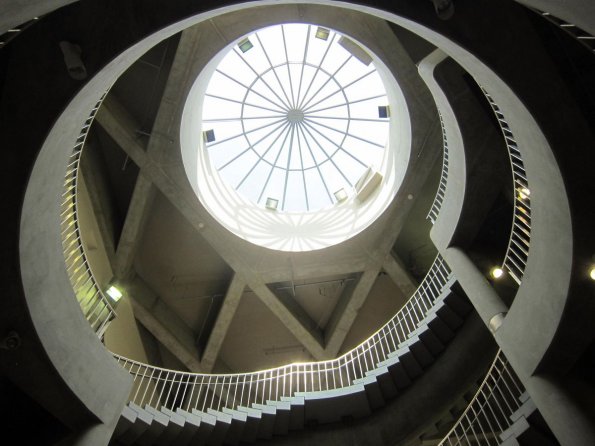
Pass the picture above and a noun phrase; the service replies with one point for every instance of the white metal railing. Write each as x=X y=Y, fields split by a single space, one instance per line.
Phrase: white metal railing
x=578 y=33
x=15 y=31
x=440 y=193
x=517 y=252
x=490 y=410
x=160 y=387
x=95 y=305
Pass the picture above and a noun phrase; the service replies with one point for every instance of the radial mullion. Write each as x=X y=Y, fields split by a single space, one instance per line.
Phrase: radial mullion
x=303 y=63
x=211 y=95
x=239 y=118
x=348 y=103
x=338 y=146
x=249 y=88
x=307 y=126
x=259 y=77
x=317 y=70
x=245 y=133
x=273 y=69
x=331 y=78
x=302 y=166
x=288 y=163
x=344 y=118
x=301 y=127
x=273 y=167
x=341 y=88
x=312 y=121
x=288 y=70
x=261 y=157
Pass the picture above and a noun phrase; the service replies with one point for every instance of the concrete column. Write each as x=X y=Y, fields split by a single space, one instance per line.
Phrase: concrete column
x=488 y=304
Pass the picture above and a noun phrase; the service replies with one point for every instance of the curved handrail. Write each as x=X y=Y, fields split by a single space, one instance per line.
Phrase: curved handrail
x=95 y=305
x=441 y=191
x=160 y=387
x=578 y=33
x=517 y=252
x=489 y=413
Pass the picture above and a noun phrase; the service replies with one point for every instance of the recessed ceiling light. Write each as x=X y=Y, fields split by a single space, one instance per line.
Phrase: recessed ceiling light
x=114 y=293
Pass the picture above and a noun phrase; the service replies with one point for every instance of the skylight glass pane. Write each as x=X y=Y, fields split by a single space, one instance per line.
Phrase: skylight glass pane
x=296 y=117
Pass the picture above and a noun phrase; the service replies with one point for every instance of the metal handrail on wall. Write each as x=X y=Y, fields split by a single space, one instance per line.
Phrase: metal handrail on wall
x=441 y=191
x=489 y=414
x=517 y=252
x=172 y=389
x=95 y=305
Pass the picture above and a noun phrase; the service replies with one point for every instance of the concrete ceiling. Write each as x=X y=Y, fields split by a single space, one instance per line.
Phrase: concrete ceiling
x=239 y=307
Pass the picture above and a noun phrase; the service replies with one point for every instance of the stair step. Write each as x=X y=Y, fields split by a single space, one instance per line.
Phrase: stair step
x=373 y=391
x=208 y=423
x=297 y=412
x=329 y=406
x=171 y=431
x=154 y=430
x=253 y=420
x=187 y=428
x=282 y=418
x=385 y=381
x=439 y=328
x=126 y=421
x=397 y=371
x=193 y=427
x=236 y=428
x=142 y=422
x=266 y=427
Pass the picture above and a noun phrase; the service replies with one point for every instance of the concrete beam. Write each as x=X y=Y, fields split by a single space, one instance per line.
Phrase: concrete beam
x=101 y=208
x=162 y=322
x=134 y=225
x=224 y=318
x=398 y=273
x=347 y=310
x=294 y=318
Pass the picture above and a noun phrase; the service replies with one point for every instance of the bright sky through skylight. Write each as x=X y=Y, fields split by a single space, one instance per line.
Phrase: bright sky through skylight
x=295 y=117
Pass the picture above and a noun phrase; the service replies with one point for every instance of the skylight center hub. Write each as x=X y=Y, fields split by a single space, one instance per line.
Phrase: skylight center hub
x=295 y=116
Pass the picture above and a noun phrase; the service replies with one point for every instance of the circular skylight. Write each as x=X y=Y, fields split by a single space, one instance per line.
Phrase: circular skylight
x=293 y=116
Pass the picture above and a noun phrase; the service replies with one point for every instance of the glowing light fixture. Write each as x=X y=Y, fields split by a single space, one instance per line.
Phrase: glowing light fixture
x=524 y=193
x=114 y=293
x=592 y=273
x=496 y=272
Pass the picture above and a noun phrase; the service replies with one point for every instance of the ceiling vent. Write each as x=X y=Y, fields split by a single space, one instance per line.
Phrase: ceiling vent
x=367 y=183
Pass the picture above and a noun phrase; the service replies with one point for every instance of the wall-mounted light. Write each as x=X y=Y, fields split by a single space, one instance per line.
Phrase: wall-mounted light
x=209 y=135
x=592 y=272
x=496 y=272
x=114 y=293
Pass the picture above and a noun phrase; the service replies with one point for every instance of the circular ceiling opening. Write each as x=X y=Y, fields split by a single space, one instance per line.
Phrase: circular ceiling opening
x=293 y=116
x=298 y=147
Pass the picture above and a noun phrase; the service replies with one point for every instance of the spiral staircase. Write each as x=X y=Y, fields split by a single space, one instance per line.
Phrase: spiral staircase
x=506 y=83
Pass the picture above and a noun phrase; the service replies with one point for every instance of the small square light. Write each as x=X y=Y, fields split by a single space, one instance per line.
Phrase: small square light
x=322 y=33
x=209 y=135
x=245 y=45
x=272 y=204
x=383 y=111
x=114 y=293
x=341 y=195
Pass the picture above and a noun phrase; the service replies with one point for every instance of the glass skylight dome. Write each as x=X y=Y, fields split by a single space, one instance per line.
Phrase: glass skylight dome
x=293 y=116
